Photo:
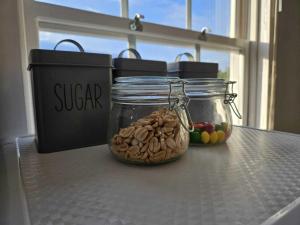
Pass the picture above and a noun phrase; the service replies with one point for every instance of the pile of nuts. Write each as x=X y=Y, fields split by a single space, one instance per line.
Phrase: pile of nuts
x=155 y=138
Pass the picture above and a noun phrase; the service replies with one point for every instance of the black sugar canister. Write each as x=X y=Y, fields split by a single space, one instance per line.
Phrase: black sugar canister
x=71 y=98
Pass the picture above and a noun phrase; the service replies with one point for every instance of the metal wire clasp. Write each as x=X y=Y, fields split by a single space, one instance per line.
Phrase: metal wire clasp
x=175 y=104
x=230 y=97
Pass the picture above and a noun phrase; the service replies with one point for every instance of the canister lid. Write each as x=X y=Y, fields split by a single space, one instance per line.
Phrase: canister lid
x=192 y=69
x=41 y=57
x=138 y=66
x=187 y=67
x=157 y=68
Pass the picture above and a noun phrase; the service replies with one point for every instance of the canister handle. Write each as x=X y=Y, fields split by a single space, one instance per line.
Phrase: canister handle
x=187 y=54
x=132 y=50
x=70 y=41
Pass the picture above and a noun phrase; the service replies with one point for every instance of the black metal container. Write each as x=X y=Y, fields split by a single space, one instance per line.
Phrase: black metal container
x=192 y=69
x=71 y=98
x=129 y=67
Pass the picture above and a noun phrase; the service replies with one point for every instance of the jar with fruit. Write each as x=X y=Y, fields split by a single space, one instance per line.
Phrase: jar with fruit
x=209 y=106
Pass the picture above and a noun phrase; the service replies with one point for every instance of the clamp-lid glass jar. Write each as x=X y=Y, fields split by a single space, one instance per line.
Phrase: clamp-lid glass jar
x=148 y=120
x=209 y=106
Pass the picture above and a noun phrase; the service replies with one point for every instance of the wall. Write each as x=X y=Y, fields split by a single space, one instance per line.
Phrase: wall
x=287 y=105
x=12 y=104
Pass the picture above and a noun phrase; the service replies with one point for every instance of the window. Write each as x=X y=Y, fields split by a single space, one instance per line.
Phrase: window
x=213 y=14
x=158 y=51
x=106 y=45
x=107 y=32
x=111 y=7
x=166 y=12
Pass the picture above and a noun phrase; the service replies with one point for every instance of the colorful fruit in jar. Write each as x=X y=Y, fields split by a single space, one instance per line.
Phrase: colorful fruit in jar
x=225 y=126
x=209 y=127
x=221 y=136
x=209 y=133
x=213 y=137
x=195 y=137
x=219 y=127
x=205 y=137
x=199 y=126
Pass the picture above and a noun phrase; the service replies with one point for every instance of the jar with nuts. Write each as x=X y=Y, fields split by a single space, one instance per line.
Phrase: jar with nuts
x=149 y=123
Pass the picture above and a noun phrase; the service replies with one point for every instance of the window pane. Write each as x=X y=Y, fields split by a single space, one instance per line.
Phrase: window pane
x=167 y=12
x=156 y=51
x=90 y=44
x=222 y=58
x=111 y=7
x=214 y=14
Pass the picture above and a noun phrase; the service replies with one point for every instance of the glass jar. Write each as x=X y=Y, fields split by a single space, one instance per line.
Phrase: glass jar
x=148 y=120
x=209 y=107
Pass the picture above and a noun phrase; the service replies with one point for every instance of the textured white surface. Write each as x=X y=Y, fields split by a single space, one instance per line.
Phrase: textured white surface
x=244 y=182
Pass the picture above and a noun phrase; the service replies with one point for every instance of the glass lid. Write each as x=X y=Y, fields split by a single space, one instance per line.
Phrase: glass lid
x=204 y=87
x=141 y=89
x=146 y=80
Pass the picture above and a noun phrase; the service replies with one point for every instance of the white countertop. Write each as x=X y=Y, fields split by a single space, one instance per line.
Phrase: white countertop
x=253 y=179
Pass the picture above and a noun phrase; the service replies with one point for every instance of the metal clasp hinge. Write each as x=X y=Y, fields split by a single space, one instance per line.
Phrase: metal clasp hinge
x=175 y=105
x=230 y=97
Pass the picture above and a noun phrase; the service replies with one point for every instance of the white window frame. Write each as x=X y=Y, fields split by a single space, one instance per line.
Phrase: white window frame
x=37 y=16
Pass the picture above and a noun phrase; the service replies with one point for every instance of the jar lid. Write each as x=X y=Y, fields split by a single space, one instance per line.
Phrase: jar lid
x=204 y=87
x=191 y=69
x=147 y=89
x=188 y=69
x=138 y=67
x=125 y=67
